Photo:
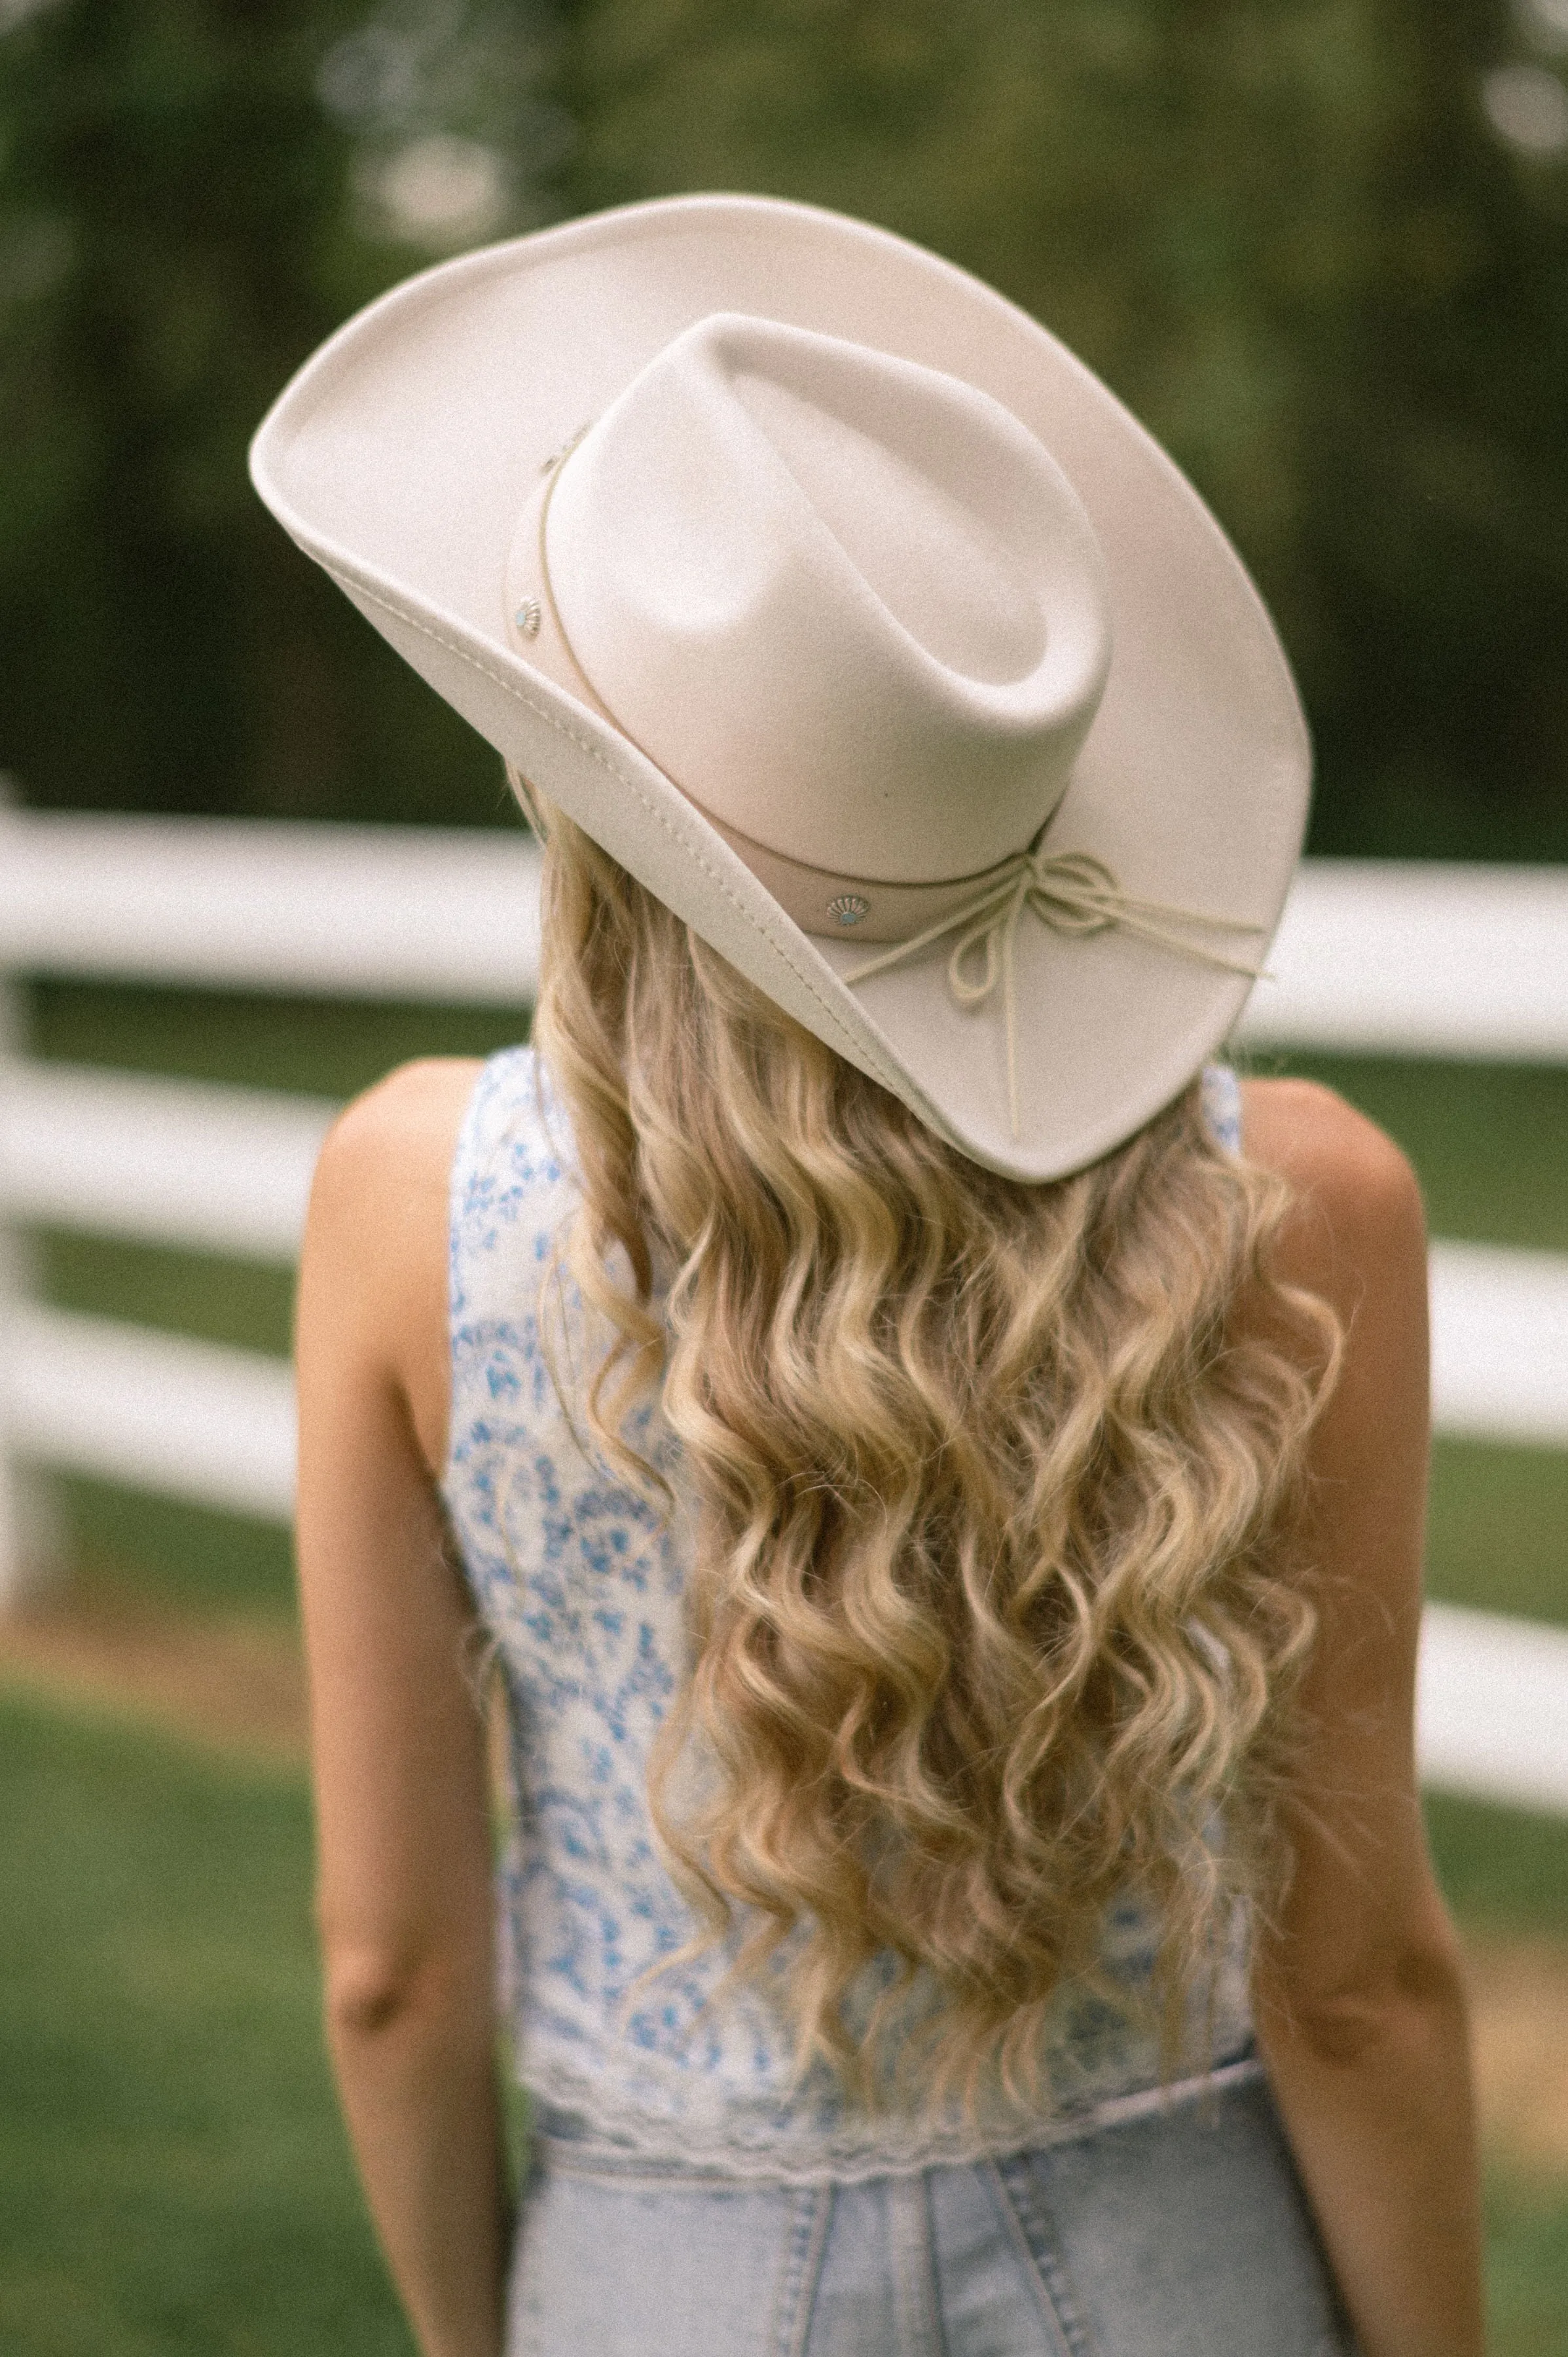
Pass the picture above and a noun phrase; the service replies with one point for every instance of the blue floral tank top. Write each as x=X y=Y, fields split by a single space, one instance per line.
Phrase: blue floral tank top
x=580 y=1583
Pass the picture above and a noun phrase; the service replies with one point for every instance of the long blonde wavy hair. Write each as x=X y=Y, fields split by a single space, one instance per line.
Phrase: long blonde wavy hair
x=995 y=1617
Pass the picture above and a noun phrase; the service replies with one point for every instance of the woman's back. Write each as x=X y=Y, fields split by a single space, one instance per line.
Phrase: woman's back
x=1210 y=2246
x=920 y=780
x=581 y=1582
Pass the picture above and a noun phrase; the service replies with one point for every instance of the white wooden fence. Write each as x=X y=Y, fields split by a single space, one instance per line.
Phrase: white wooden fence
x=1412 y=960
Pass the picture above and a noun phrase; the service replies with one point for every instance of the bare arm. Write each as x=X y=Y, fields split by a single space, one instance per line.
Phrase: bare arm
x=404 y=1838
x=1360 y=1997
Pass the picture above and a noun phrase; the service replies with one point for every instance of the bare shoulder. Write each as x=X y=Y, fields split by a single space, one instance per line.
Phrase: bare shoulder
x=390 y=1151
x=1314 y=1137
x=1359 y=1219
x=398 y=1137
x=374 y=1271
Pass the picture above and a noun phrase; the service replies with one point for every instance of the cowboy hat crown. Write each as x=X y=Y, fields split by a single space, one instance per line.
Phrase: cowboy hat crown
x=849 y=604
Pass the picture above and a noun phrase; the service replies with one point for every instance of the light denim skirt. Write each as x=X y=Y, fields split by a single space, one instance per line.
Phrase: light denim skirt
x=1180 y=2231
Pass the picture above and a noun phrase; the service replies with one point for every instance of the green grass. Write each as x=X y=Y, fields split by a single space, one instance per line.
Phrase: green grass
x=1505 y=1871
x=216 y=1300
x=1506 y=1875
x=173 y=2177
x=1498 y=1530
x=128 y=1546
x=1527 y=2267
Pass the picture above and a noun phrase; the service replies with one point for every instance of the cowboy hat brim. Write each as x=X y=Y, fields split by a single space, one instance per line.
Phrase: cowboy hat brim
x=402 y=456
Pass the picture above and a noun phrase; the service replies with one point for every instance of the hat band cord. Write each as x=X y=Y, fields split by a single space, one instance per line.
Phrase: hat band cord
x=1071 y=892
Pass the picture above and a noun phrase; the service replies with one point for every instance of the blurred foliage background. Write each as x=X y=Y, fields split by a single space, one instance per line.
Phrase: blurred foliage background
x=1320 y=246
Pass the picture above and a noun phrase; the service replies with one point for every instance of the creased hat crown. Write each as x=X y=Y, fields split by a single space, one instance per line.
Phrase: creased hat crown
x=847 y=603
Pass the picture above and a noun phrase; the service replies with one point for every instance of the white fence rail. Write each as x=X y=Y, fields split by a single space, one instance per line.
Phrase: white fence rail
x=338 y=911
x=1372 y=957
x=1499 y=1345
x=1407 y=957
x=1492 y=1708
x=65 y=1380
x=159 y=1161
x=1420 y=958
x=154 y=1411
x=228 y=1170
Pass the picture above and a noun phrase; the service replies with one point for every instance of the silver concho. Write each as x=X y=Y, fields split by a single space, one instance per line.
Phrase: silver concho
x=849 y=908
x=528 y=618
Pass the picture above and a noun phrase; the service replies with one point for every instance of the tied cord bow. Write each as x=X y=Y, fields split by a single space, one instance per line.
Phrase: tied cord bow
x=1073 y=893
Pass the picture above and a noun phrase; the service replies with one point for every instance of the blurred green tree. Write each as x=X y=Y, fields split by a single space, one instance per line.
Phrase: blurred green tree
x=1321 y=247
x=193 y=194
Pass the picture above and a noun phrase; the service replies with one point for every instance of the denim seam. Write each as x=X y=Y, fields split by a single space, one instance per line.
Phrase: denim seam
x=933 y=2289
x=812 y=2207
x=1023 y=2216
x=915 y=2294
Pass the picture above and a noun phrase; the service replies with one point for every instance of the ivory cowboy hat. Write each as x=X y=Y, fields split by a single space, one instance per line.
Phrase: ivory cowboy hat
x=855 y=617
